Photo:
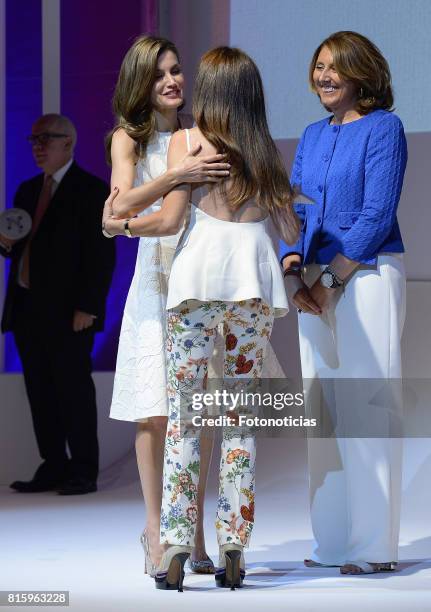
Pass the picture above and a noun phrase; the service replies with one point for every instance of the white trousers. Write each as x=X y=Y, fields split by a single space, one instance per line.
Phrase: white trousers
x=355 y=482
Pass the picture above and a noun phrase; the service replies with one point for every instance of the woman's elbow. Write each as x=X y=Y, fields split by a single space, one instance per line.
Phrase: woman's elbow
x=171 y=228
x=121 y=209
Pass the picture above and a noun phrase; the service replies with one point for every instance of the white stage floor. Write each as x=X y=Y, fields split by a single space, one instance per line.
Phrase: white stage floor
x=89 y=545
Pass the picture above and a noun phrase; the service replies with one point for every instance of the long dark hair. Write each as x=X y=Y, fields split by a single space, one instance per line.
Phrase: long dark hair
x=229 y=110
x=132 y=97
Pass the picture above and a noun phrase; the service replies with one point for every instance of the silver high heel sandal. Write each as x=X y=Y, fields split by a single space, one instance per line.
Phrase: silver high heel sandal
x=170 y=572
x=150 y=568
x=202 y=566
x=231 y=570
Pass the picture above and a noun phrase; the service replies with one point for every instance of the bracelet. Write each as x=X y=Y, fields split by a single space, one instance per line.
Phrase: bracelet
x=293 y=270
x=127 y=231
x=105 y=233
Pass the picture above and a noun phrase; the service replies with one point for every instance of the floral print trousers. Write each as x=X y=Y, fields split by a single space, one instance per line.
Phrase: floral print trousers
x=192 y=329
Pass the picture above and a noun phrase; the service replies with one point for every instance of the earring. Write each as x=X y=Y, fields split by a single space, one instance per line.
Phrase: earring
x=361 y=93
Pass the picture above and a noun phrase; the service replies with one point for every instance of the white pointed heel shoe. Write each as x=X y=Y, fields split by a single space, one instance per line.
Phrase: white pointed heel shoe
x=170 y=572
x=231 y=569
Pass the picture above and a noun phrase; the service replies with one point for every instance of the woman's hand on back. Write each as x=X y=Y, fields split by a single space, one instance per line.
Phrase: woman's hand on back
x=205 y=169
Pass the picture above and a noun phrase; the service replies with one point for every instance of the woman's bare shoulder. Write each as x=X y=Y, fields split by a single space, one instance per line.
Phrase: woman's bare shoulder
x=178 y=138
x=196 y=137
x=177 y=146
x=123 y=144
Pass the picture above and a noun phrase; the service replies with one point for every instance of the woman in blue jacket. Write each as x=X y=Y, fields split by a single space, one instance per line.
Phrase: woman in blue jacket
x=346 y=277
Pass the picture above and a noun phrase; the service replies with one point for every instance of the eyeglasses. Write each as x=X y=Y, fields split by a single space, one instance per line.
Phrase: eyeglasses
x=44 y=138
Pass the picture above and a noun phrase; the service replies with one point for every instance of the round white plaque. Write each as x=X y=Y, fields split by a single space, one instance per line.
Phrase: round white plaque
x=15 y=223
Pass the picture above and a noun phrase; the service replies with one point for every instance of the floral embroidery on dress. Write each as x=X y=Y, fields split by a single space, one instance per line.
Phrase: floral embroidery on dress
x=141 y=372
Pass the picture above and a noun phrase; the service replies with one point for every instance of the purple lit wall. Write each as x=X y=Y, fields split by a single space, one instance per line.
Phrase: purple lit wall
x=23 y=105
x=94 y=39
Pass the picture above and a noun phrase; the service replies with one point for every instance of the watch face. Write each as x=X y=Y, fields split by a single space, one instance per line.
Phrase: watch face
x=327 y=280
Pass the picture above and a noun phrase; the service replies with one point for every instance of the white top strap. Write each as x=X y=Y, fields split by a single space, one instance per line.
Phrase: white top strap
x=188 y=139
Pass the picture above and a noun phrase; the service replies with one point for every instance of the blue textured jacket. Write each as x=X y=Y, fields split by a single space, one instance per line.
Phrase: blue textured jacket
x=354 y=173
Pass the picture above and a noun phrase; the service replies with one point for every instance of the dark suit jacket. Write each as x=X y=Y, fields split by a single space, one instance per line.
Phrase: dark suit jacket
x=71 y=262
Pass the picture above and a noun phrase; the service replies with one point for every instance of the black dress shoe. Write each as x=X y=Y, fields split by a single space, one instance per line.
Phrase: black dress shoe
x=77 y=486
x=35 y=485
x=49 y=476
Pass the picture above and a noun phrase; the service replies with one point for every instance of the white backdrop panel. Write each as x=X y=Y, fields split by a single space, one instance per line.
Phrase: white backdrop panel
x=281 y=35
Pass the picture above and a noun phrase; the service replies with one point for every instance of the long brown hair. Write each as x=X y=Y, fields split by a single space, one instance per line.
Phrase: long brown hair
x=132 y=97
x=358 y=60
x=229 y=110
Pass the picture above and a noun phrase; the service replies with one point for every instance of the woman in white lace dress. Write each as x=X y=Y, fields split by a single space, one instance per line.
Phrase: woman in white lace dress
x=148 y=95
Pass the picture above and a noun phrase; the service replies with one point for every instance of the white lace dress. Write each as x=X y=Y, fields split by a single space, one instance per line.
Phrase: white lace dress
x=140 y=376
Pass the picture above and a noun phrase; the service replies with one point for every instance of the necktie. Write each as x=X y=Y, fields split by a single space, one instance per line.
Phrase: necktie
x=42 y=205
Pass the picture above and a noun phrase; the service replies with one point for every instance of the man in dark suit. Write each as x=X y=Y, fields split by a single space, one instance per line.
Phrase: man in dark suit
x=59 y=280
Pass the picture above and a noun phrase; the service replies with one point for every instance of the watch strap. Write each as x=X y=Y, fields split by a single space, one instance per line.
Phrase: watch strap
x=336 y=280
x=127 y=229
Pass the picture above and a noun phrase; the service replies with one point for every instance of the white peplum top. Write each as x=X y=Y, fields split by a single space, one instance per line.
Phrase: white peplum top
x=226 y=261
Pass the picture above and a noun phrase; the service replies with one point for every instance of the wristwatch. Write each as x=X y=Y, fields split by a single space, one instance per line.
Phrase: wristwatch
x=127 y=229
x=330 y=280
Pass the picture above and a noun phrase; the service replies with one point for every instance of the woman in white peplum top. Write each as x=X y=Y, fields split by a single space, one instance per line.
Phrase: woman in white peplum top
x=147 y=98
x=225 y=270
